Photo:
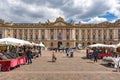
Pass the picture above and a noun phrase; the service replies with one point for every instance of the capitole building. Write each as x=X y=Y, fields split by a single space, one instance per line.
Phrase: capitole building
x=60 y=33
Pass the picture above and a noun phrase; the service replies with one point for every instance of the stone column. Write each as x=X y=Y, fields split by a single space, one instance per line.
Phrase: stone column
x=55 y=34
x=91 y=36
x=73 y=34
x=23 y=34
x=96 y=31
x=80 y=35
x=28 y=34
x=49 y=35
x=5 y=33
x=85 y=35
x=46 y=35
x=102 y=36
x=108 y=35
x=115 y=34
x=39 y=36
x=63 y=34
x=70 y=34
x=33 y=34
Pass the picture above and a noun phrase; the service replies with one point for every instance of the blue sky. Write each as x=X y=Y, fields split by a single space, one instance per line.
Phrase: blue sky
x=84 y=11
x=109 y=16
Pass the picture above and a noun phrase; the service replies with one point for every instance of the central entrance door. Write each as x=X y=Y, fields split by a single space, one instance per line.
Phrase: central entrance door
x=59 y=44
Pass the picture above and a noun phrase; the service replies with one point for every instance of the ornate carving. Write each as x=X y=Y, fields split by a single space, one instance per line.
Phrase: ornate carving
x=59 y=19
x=60 y=24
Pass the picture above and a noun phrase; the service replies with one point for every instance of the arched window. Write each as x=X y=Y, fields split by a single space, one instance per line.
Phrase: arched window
x=83 y=44
x=88 y=43
x=67 y=44
x=76 y=44
x=51 y=44
x=104 y=42
x=110 y=42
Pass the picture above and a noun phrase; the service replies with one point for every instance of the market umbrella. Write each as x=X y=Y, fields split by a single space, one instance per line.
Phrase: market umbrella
x=10 y=41
x=41 y=45
x=98 y=45
x=14 y=41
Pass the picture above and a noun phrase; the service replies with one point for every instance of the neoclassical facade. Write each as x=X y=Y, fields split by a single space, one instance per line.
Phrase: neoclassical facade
x=60 y=33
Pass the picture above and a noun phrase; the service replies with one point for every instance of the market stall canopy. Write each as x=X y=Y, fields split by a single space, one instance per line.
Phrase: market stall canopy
x=98 y=45
x=35 y=44
x=41 y=44
x=112 y=46
x=118 y=45
x=14 y=41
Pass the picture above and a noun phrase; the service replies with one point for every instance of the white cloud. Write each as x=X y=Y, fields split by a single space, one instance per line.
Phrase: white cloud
x=115 y=7
x=41 y=10
x=95 y=20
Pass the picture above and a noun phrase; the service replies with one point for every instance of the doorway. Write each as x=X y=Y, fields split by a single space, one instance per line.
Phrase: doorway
x=59 y=44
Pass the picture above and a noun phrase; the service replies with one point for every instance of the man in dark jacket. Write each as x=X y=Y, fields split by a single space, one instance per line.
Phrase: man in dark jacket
x=29 y=56
x=95 y=54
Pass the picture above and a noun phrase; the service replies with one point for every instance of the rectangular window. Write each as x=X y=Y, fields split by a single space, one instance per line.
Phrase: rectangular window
x=119 y=34
x=43 y=30
x=51 y=44
x=20 y=36
x=111 y=30
x=25 y=37
x=8 y=30
x=51 y=30
x=31 y=37
x=88 y=37
x=52 y=37
x=43 y=37
x=0 y=36
x=83 y=37
x=59 y=36
x=14 y=30
x=8 y=35
x=36 y=30
x=76 y=30
x=104 y=37
x=67 y=37
x=67 y=44
x=76 y=36
x=15 y=36
x=111 y=37
x=36 y=37
x=93 y=37
x=67 y=30
x=20 y=30
x=0 y=30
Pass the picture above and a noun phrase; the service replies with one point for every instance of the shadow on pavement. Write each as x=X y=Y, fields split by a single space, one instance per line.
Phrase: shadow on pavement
x=109 y=65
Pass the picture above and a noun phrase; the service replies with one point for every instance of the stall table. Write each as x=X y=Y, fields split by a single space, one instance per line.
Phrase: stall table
x=6 y=65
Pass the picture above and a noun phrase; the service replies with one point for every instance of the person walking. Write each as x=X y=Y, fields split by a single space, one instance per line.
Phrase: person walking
x=39 y=52
x=95 y=54
x=54 y=57
x=29 y=56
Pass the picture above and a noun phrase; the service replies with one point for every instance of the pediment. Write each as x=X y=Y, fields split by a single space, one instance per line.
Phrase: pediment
x=59 y=24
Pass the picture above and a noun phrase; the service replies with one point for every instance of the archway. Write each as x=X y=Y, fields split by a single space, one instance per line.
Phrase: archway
x=59 y=44
x=88 y=43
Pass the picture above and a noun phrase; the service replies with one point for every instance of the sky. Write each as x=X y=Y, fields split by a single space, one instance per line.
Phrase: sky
x=84 y=11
